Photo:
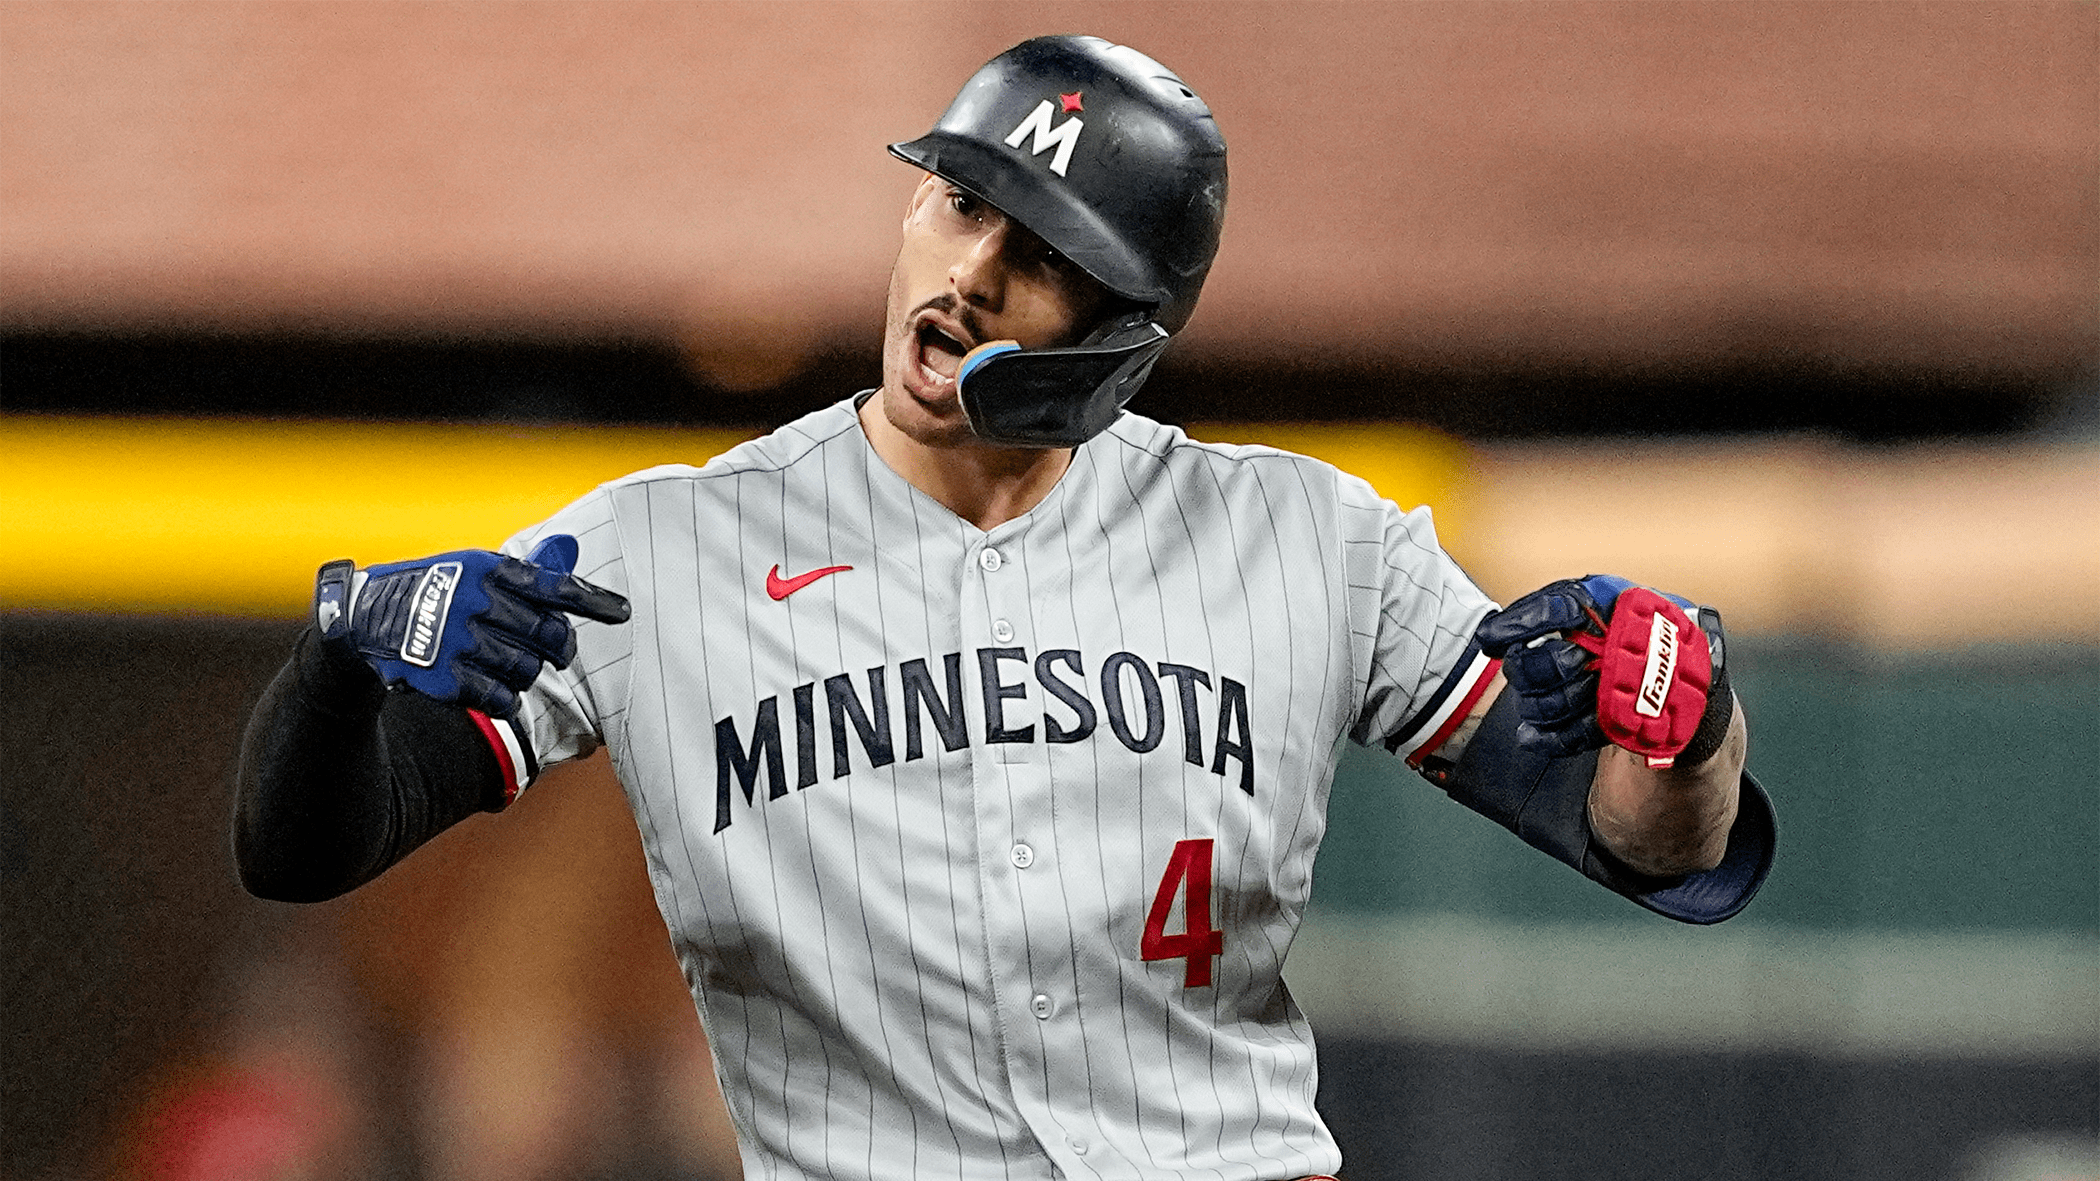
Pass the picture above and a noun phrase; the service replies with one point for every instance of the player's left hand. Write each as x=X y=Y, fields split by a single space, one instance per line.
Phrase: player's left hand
x=470 y=626
x=1599 y=659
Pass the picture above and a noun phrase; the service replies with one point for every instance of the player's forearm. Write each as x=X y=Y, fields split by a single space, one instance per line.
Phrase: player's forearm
x=1669 y=820
x=339 y=779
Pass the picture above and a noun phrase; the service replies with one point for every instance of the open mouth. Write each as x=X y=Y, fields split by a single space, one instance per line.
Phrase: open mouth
x=940 y=353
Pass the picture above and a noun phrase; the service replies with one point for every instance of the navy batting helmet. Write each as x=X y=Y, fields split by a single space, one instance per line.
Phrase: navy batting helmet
x=1110 y=158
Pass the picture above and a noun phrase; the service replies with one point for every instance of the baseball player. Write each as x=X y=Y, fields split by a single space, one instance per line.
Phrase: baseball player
x=979 y=732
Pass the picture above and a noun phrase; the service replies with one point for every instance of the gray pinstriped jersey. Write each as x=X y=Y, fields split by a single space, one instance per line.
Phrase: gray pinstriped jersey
x=927 y=832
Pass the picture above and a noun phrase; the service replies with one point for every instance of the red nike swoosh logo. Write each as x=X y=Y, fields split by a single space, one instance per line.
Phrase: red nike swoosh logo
x=780 y=588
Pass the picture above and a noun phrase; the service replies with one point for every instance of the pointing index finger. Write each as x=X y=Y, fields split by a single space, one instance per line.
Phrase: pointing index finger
x=553 y=586
x=592 y=601
x=566 y=592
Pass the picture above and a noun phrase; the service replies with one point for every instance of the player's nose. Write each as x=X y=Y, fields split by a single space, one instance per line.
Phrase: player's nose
x=979 y=274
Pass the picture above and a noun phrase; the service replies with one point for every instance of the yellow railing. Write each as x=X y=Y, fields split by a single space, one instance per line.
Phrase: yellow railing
x=231 y=517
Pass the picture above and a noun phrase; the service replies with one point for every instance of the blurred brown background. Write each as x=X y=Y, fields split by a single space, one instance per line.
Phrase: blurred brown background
x=1838 y=186
x=1817 y=279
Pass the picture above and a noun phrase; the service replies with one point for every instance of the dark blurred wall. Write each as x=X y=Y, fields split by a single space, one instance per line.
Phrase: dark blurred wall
x=122 y=913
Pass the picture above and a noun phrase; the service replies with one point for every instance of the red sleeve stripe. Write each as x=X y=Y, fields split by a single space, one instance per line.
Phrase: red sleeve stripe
x=503 y=741
x=1457 y=707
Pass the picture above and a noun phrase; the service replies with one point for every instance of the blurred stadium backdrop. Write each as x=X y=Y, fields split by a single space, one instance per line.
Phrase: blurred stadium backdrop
x=1794 y=308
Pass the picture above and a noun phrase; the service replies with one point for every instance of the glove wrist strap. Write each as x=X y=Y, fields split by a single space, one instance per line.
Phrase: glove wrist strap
x=1713 y=723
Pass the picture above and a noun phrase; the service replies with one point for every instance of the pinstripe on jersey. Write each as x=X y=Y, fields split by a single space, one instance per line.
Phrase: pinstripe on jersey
x=906 y=824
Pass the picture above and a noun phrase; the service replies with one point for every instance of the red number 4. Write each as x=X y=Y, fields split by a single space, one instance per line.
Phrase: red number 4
x=1190 y=864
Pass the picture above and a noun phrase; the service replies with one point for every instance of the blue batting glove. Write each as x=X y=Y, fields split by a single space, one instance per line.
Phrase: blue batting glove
x=470 y=626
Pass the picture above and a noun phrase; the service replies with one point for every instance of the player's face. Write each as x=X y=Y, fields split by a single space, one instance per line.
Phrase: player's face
x=966 y=274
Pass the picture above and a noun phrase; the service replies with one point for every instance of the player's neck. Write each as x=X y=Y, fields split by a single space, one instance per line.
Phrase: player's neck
x=986 y=486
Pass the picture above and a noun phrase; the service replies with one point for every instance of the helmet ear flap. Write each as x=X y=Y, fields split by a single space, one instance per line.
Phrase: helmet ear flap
x=1058 y=397
x=1121 y=325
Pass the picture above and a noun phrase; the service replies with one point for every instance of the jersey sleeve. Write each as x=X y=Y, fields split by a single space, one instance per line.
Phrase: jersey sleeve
x=566 y=714
x=1419 y=610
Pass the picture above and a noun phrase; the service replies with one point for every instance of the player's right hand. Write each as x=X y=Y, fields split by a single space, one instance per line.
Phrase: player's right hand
x=470 y=626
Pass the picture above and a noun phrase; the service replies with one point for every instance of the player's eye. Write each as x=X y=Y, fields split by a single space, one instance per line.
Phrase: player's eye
x=965 y=204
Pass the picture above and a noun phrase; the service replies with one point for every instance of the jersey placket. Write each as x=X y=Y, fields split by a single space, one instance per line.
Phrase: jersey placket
x=1025 y=922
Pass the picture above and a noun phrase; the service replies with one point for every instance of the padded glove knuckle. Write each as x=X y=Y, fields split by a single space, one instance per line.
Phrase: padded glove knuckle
x=1600 y=659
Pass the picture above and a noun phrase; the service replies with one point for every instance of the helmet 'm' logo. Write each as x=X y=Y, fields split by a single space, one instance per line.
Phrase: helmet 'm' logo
x=1063 y=137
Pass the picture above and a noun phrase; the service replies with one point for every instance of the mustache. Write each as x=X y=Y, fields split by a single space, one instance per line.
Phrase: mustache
x=948 y=304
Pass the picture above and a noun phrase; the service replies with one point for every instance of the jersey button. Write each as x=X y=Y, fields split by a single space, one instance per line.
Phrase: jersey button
x=1043 y=1007
x=989 y=559
x=1002 y=631
x=1023 y=856
x=1079 y=1146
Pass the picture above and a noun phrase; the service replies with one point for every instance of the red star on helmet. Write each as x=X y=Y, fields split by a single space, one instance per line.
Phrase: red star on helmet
x=1071 y=101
